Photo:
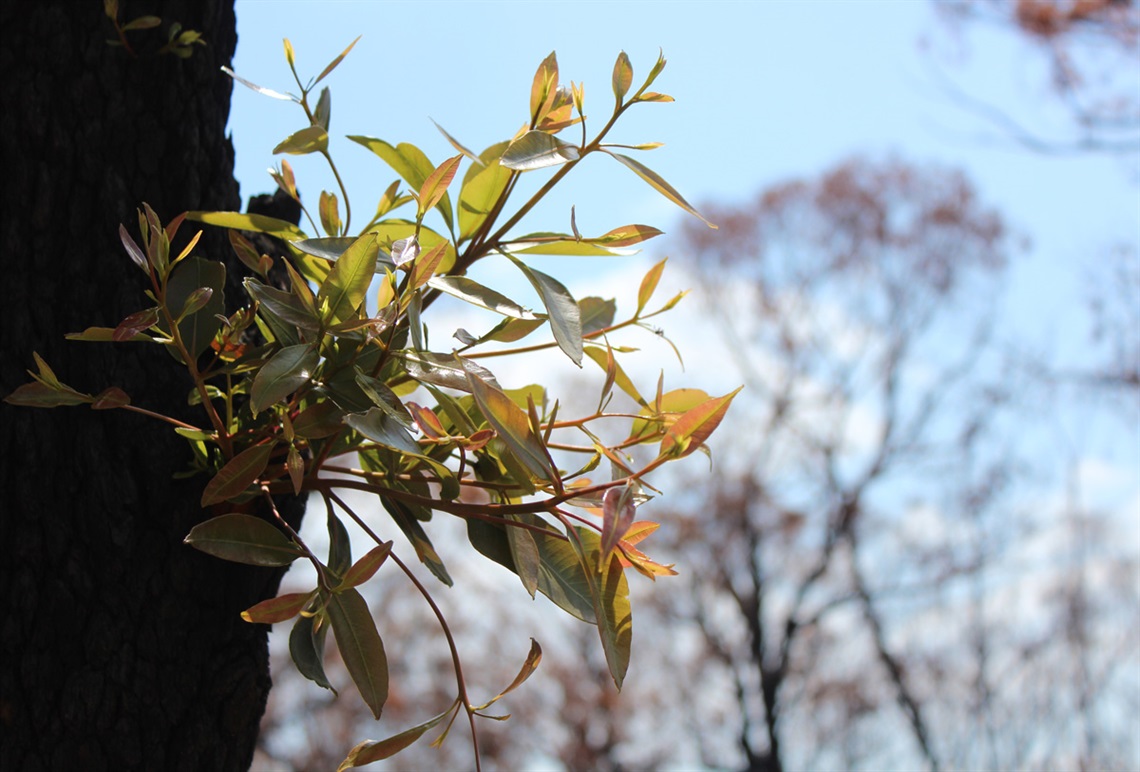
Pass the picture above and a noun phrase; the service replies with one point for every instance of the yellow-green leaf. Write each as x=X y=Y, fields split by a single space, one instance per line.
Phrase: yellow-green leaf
x=648 y=285
x=360 y=646
x=623 y=76
x=435 y=186
x=375 y=750
x=288 y=370
x=311 y=139
x=510 y=422
x=691 y=429
x=660 y=185
x=347 y=283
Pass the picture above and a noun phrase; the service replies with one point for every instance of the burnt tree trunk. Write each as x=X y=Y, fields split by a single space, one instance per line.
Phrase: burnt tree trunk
x=122 y=648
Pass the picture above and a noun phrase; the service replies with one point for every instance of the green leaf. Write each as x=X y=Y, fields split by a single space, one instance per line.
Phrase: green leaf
x=241 y=471
x=288 y=370
x=40 y=395
x=596 y=314
x=435 y=186
x=332 y=65
x=511 y=424
x=690 y=430
x=330 y=214
x=610 y=594
x=307 y=646
x=105 y=335
x=442 y=369
x=347 y=284
x=364 y=569
x=311 y=139
x=360 y=646
x=282 y=229
x=378 y=426
x=565 y=319
x=660 y=185
x=284 y=306
x=340 y=546
x=623 y=76
x=524 y=553
x=277 y=609
x=537 y=150
x=562 y=577
x=648 y=285
x=476 y=294
x=198 y=329
x=243 y=539
x=375 y=750
x=409 y=162
x=483 y=184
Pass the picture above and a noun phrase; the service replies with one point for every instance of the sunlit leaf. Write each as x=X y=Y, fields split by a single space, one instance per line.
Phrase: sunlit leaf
x=410 y=163
x=671 y=405
x=282 y=229
x=476 y=294
x=610 y=594
x=482 y=187
x=442 y=369
x=435 y=186
x=311 y=139
x=618 y=511
x=375 y=750
x=510 y=422
x=286 y=307
x=565 y=318
x=347 y=283
x=266 y=91
x=378 y=426
x=457 y=145
x=691 y=429
x=653 y=96
x=330 y=215
x=620 y=378
x=277 y=609
x=332 y=65
x=427 y=264
x=245 y=251
x=660 y=185
x=243 y=539
x=627 y=235
x=237 y=475
x=543 y=87
x=648 y=285
x=622 y=77
x=537 y=150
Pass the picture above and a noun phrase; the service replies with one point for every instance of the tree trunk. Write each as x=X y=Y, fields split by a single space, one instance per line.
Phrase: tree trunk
x=122 y=647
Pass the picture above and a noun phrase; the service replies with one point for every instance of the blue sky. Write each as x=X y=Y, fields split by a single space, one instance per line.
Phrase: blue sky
x=764 y=91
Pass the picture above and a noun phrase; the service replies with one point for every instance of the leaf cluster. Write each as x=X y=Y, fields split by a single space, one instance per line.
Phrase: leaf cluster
x=331 y=382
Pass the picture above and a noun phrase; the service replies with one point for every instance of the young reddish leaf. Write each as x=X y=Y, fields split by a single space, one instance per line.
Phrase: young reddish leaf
x=243 y=539
x=195 y=301
x=245 y=251
x=428 y=421
x=533 y=658
x=664 y=411
x=631 y=557
x=618 y=511
x=332 y=65
x=623 y=76
x=133 y=250
x=375 y=750
x=135 y=324
x=110 y=399
x=360 y=646
x=277 y=609
x=659 y=184
x=426 y=265
x=627 y=235
x=288 y=370
x=241 y=471
x=543 y=87
x=694 y=427
x=435 y=186
x=311 y=139
x=648 y=285
x=41 y=395
x=510 y=422
x=364 y=569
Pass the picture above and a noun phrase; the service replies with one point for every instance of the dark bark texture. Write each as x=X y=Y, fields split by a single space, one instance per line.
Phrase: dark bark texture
x=122 y=648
